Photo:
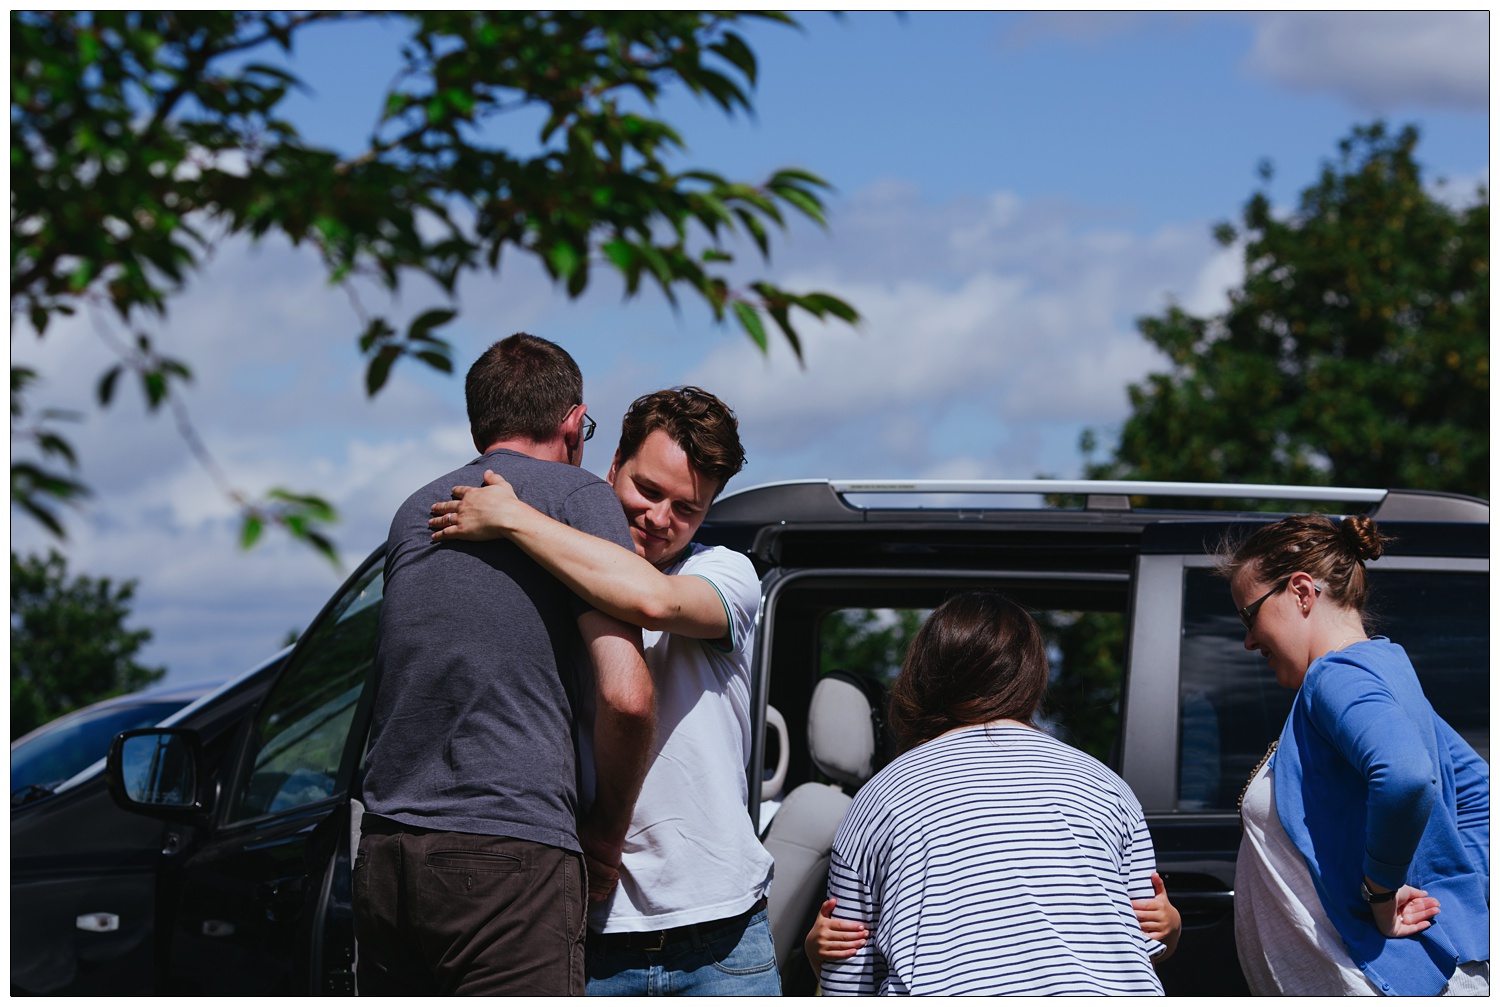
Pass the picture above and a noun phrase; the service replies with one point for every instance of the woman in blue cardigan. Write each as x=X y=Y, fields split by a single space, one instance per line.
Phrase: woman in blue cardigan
x=1364 y=867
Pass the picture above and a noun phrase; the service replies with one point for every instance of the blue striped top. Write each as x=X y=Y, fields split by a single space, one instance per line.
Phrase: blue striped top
x=993 y=860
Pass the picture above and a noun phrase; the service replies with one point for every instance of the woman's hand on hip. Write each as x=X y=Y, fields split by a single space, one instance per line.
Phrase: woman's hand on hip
x=1408 y=914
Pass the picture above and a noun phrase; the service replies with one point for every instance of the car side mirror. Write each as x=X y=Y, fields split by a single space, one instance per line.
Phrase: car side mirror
x=157 y=772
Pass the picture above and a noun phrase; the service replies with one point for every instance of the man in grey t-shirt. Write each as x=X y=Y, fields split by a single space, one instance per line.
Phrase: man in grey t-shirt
x=470 y=874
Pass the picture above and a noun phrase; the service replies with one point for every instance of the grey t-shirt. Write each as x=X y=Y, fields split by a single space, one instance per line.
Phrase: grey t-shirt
x=481 y=666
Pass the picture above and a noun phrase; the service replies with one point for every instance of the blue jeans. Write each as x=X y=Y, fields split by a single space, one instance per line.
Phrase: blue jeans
x=733 y=960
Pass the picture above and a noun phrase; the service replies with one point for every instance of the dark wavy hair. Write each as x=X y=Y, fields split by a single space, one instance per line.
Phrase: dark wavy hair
x=522 y=386
x=700 y=423
x=1333 y=554
x=979 y=657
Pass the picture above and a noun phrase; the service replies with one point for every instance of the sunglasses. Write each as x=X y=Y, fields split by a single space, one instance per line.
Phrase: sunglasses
x=1248 y=613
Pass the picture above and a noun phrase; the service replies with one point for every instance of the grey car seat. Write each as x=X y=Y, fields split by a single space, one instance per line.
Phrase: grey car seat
x=846 y=741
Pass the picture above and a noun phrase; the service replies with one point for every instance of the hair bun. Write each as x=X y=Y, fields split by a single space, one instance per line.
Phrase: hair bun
x=1363 y=537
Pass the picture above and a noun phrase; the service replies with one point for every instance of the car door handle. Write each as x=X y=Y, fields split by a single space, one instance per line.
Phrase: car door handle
x=281 y=896
x=281 y=891
x=1203 y=909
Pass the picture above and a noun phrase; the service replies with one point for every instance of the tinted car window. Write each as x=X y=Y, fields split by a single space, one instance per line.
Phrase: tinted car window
x=75 y=743
x=300 y=731
x=1085 y=656
x=1231 y=708
x=1443 y=622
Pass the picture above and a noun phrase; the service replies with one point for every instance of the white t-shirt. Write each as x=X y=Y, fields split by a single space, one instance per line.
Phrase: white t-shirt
x=692 y=855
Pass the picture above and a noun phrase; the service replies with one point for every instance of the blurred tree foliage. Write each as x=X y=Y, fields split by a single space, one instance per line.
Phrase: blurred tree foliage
x=1355 y=352
x=868 y=641
x=68 y=643
x=142 y=139
x=1086 y=651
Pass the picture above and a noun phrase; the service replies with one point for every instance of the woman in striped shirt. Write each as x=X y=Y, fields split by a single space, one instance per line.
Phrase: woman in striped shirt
x=989 y=858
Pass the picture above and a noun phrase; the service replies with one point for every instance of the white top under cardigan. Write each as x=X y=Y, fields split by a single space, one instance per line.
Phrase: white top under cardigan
x=1287 y=944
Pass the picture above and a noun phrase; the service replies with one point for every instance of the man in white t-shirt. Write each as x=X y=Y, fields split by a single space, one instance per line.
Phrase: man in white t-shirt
x=688 y=913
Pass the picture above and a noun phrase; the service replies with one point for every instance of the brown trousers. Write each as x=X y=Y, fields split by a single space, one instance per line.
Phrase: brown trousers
x=450 y=913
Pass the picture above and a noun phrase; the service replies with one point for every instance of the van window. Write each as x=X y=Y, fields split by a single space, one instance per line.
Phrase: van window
x=1085 y=655
x=1230 y=707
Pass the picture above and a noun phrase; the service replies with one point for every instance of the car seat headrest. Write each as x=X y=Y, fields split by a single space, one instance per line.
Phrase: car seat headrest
x=844 y=733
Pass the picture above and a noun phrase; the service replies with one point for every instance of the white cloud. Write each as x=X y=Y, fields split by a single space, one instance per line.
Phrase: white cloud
x=1223 y=272
x=1459 y=192
x=994 y=330
x=1377 y=60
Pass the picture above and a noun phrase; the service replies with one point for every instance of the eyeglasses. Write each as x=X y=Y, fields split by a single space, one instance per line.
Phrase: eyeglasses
x=1248 y=613
x=588 y=426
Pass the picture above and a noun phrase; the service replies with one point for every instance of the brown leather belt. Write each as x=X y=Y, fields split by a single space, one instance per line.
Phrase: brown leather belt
x=657 y=940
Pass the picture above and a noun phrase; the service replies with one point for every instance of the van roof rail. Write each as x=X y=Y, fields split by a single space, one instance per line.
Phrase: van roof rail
x=827 y=499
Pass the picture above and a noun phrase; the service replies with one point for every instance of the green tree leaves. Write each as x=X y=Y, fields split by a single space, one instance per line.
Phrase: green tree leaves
x=1355 y=353
x=140 y=138
x=870 y=642
x=302 y=515
x=33 y=486
x=68 y=643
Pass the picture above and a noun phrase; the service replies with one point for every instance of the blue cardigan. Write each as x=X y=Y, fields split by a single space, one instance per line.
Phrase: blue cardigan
x=1370 y=781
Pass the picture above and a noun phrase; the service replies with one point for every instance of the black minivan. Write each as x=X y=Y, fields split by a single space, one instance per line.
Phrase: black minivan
x=1149 y=675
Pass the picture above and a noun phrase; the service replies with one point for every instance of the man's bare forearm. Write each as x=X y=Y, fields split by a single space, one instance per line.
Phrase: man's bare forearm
x=622 y=751
x=624 y=729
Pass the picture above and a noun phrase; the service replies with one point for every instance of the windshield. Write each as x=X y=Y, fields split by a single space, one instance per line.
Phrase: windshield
x=74 y=744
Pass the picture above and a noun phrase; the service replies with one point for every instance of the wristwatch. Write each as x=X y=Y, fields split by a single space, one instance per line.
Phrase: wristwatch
x=1372 y=897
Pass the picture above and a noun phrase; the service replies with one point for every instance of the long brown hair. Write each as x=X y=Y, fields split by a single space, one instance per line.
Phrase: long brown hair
x=979 y=657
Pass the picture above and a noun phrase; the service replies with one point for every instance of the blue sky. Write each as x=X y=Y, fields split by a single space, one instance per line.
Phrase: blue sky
x=1012 y=191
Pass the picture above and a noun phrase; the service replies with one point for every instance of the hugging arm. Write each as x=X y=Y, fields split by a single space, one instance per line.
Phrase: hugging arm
x=1159 y=919
x=833 y=939
x=863 y=972
x=624 y=731
x=614 y=580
